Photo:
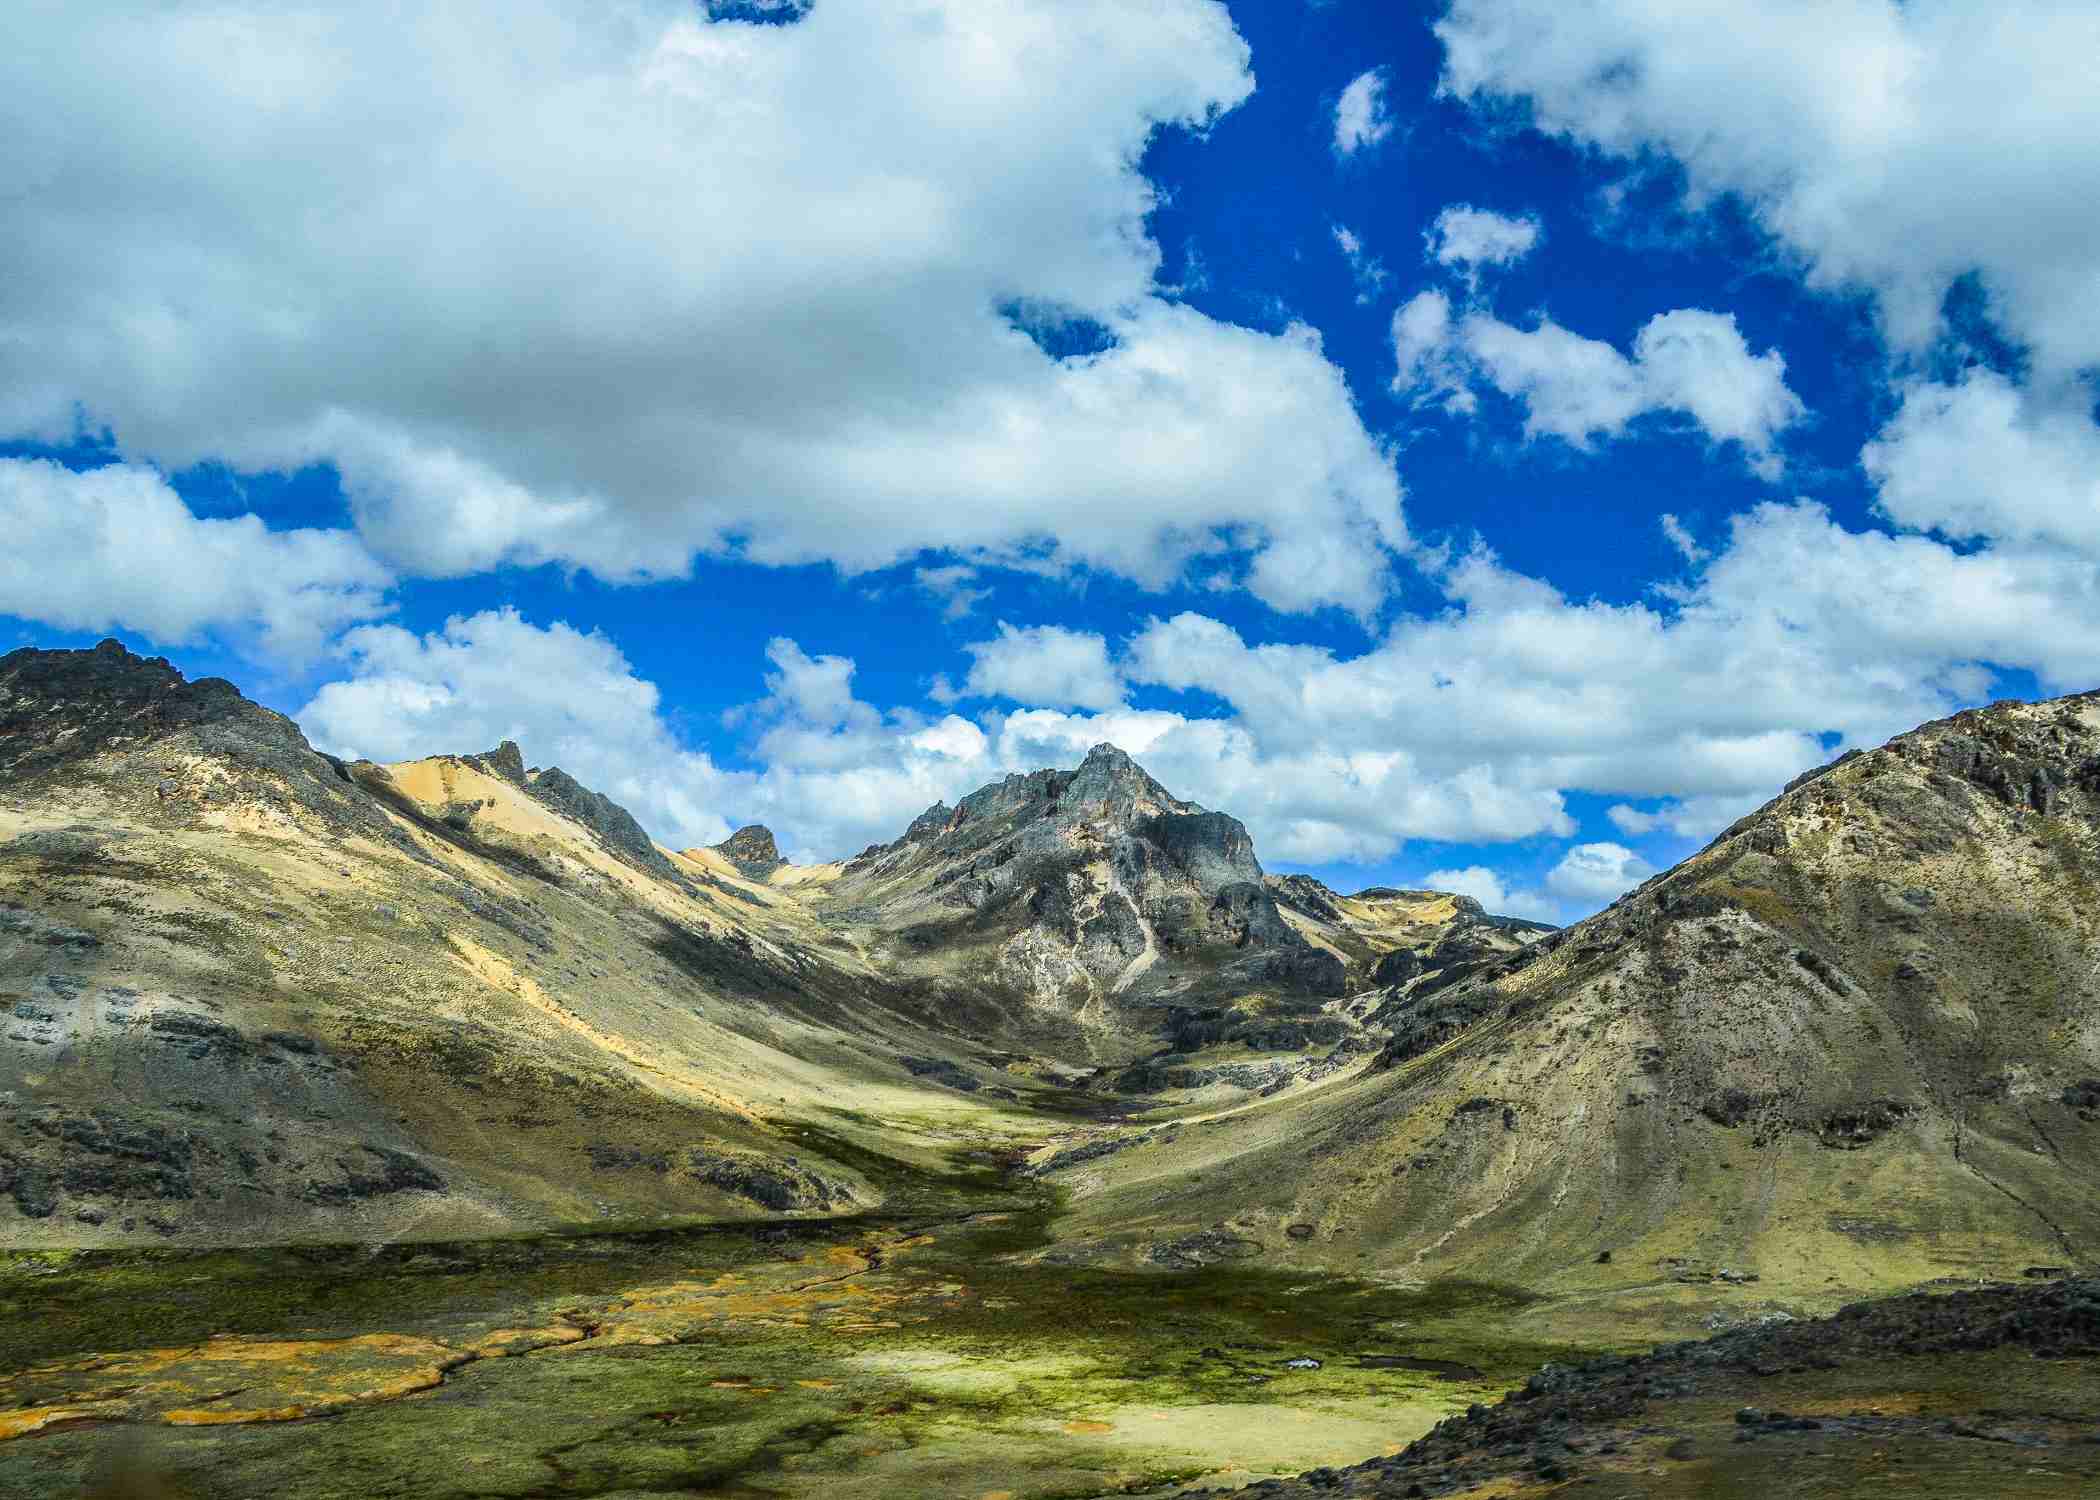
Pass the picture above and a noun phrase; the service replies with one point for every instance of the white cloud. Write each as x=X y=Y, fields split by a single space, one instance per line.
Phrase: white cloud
x=835 y=773
x=1976 y=460
x=1712 y=697
x=1795 y=639
x=636 y=283
x=1680 y=537
x=115 y=548
x=1686 y=361
x=1470 y=238
x=1369 y=271
x=1591 y=875
x=1632 y=821
x=1044 y=666
x=952 y=585
x=1359 y=115
x=1696 y=818
x=1892 y=146
x=1427 y=360
x=1588 y=877
x=1490 y=890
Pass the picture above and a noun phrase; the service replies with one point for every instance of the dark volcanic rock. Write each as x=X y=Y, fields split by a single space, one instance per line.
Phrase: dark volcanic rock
x=941 y=1071
x=506 y=762
x=377 y=1172
x=752 y=850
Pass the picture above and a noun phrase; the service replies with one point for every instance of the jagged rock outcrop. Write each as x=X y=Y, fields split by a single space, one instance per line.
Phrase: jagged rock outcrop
x=752 y=850
x=134 y=727
x=506 y=761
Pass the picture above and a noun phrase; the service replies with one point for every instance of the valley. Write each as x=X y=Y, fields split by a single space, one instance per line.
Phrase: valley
x=427 y=1129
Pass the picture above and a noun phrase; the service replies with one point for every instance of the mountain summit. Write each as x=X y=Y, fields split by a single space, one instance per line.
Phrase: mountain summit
x=1094 y=895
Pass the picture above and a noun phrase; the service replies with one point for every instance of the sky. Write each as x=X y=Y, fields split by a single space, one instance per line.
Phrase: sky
x=1490 y=445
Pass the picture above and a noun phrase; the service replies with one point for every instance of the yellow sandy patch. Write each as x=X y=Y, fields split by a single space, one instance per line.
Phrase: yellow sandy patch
x=1085 y=1429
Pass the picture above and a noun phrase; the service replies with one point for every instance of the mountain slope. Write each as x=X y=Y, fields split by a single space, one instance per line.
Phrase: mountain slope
x=1854 y=1042
x=253 y=992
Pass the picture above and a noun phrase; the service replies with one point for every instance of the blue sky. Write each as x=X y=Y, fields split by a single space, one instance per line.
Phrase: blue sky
x=1496 y=442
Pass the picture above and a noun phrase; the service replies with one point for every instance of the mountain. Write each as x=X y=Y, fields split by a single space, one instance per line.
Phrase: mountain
x=1413 y=939
x=252 y=991
x=1093 y=901
x=1854 y=1042
x=255 y=991
x=991 y=1080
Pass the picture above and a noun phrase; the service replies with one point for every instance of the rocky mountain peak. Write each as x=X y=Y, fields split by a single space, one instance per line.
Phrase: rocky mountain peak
x=752 y=850
x=506 y=761
x=1108 y=777
x=60 y=707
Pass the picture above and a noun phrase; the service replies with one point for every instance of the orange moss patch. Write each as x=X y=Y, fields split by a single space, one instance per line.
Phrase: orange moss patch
x=14 y=1424
x=505 y=1343
x=274 y=1380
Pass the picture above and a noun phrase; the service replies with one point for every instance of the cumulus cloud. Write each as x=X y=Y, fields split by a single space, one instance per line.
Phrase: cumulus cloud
x=114 y=548
x=1360 y=119
x=1490 y=890
x=1592 y=875
x=641 y=282
x=1712 y=695
x=1891 y=148
x=1469 y=238
x=1795 y=639
x=1687 y=818
x=1976 y=460
x=1689 y=362
x=1044 y=666
x=835 y=772
x=1894 y=147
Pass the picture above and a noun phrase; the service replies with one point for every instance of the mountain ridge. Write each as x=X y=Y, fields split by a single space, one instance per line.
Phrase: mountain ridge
x=1853 y=1042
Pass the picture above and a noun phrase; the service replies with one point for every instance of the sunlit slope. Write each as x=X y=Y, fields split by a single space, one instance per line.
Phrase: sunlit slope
x=253 y=992
x=1852 y=1043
